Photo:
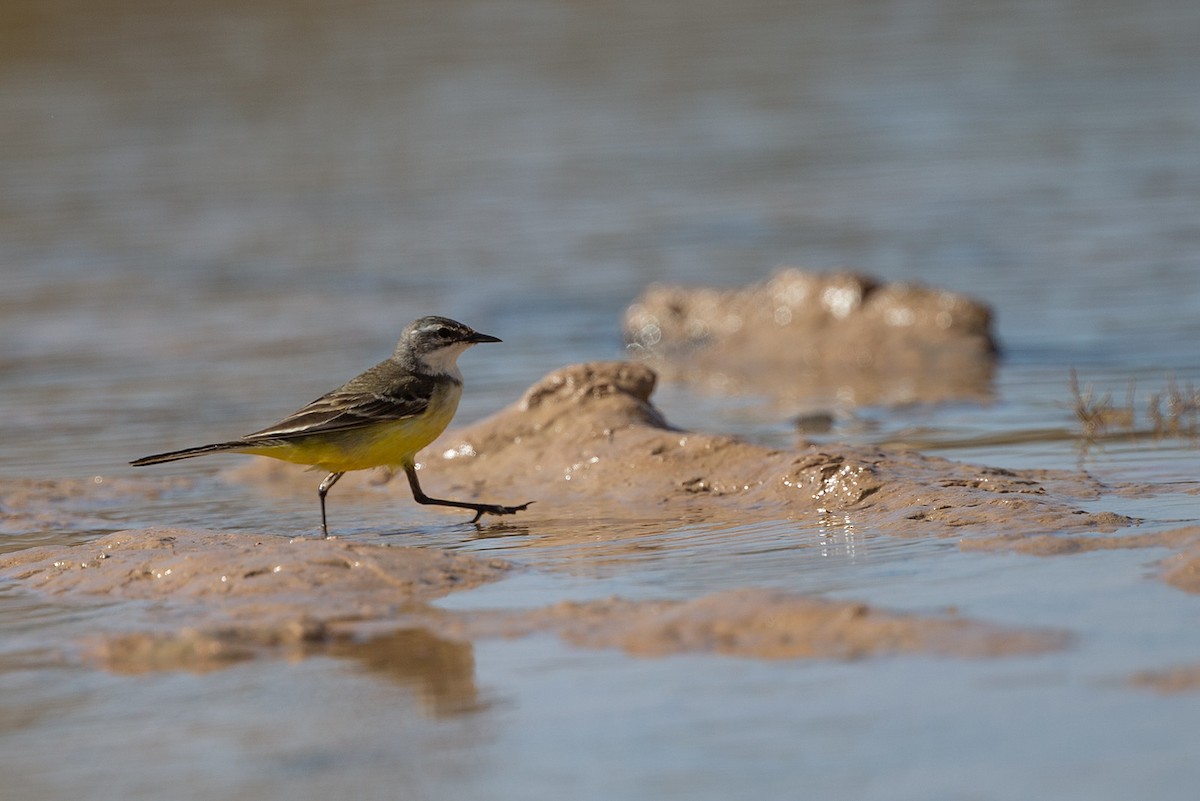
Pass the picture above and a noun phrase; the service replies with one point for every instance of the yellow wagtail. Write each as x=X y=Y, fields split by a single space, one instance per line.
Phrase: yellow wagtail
x=381 y=418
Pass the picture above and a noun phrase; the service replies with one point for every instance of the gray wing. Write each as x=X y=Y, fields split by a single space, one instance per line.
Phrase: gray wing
x=385 y=393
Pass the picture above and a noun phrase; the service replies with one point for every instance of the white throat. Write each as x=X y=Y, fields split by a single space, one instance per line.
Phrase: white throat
x=444 y=361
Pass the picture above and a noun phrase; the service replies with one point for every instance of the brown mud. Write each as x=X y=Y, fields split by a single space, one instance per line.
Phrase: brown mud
x=223 y=598
x=765 y=624
x=31 y=506
x=588 y=445
x=1182 y=570
x=818 y=339
x=586 y=442
x=605 y=467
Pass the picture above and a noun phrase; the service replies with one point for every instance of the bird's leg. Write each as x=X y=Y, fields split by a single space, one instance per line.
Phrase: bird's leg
x=329 y=481
x=480 y=509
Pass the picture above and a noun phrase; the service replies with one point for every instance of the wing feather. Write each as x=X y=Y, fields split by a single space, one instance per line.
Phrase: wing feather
x=385 y=393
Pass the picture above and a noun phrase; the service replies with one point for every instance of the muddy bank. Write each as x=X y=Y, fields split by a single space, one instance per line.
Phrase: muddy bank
x=1051 y=545
x=587 y=444
x=236 y=575
x=1182 y=570
x=202 y=600
x=29 y=508
x=764 y=624
x=820 y=339
x=605 y=467
x=218 y=599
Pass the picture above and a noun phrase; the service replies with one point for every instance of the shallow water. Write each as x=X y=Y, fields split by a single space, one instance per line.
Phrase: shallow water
x=210 y=215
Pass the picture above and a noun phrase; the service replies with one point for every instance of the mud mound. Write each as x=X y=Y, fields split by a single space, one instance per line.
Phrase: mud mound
x=233 y=573
x=587 y=437
x=822 y=338
x=586 y=443
x=766 y=624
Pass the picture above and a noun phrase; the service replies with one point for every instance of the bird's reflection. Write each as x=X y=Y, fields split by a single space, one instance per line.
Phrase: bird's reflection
x=439 y=671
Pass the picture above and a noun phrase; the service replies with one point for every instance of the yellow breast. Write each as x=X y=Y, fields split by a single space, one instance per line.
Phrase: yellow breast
x=392 y=444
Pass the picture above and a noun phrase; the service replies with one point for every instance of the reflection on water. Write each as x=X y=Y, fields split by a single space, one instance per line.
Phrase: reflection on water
x=440 y=672
x=662 y=558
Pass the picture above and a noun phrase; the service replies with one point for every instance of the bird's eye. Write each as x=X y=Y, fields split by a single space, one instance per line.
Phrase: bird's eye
x=445 y=332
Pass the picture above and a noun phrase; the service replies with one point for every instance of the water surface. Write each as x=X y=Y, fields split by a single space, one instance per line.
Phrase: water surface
x=212 y=214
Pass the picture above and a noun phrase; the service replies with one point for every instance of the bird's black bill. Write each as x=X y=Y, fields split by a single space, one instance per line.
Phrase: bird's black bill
x=477 y=338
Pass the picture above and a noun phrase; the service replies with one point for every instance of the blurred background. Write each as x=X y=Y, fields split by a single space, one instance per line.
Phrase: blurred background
x=212 y=212
x=224 y=209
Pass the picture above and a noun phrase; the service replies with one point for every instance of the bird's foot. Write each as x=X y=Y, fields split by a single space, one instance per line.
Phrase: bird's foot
x=496 y=509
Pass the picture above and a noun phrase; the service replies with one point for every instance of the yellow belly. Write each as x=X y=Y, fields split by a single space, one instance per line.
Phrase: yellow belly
x=392 y=444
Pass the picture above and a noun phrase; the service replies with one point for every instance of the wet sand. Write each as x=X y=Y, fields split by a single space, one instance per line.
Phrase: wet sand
x=587 y=443
x=226 y=598
x=214 y=212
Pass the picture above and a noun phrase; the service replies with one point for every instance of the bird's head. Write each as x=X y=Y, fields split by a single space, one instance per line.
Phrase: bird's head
x=433 y=344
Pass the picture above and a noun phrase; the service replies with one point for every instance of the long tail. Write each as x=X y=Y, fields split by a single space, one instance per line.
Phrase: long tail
x=188 y=453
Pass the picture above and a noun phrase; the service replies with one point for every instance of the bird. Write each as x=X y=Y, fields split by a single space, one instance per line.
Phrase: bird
x=380 y=418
